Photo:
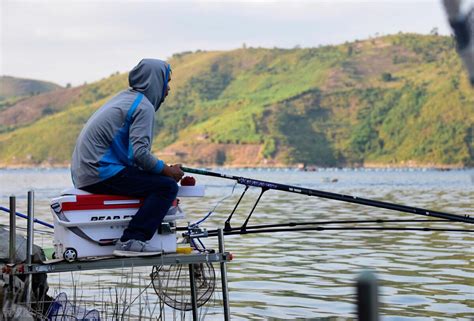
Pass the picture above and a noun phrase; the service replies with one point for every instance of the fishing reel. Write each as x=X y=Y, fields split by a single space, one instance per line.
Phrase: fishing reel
x=194 y=231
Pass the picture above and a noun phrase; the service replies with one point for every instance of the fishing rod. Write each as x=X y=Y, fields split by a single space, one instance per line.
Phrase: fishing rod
x=338 y=222
x=317 y=226
x=264 y=185
x=296 y=224
x=35 y=220
x=214 y=233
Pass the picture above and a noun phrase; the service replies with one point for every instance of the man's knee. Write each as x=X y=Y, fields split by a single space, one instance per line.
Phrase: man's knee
x=169 y=186
x=174 y=188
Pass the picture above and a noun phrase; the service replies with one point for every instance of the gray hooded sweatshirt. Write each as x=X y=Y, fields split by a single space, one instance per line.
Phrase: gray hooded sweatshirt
x=120 y=133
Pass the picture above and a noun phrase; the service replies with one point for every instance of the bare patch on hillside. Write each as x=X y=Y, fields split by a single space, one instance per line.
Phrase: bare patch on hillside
x=337 y=79
x=31 y=109
x=378 y=58
x=381 y=59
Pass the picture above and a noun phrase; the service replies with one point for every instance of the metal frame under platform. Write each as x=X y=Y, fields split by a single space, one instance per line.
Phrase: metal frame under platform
x=29 y=268
x=116 y=262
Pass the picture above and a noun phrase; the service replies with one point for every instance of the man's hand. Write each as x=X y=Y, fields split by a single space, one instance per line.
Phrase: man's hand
x=173 y=171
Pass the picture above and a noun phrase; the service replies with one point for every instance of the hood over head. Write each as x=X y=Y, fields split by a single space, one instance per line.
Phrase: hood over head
x=150 y=77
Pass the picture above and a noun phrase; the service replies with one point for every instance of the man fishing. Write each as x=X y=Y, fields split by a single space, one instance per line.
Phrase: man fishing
x=113 y=155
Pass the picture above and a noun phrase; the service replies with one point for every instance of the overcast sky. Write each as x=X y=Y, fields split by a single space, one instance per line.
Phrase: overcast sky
x=71 y=41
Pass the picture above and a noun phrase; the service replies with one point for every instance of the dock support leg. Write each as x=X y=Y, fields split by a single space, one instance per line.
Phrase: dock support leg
x=225 y=290
x=12 y=257
x=193 y=292
x=29 y=244
x=12 y=248
x=367 y=297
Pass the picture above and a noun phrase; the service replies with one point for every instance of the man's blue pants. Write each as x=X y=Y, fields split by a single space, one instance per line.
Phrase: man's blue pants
x=159 y=192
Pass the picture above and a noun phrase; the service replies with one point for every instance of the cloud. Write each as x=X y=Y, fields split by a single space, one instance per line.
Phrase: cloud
x=77 y=41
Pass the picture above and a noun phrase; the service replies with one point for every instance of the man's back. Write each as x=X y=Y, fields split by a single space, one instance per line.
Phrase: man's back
x=103 y=147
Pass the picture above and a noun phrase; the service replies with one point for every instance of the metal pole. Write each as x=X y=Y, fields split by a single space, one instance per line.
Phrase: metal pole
x=12 y=249
x=367 y=297
x=12 y=255
x=193 y=292
x=225 y=290
x=29 y=243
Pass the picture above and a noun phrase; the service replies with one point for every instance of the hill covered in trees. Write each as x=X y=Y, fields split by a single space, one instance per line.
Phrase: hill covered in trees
x=11 y=87
x=13 y=90
x=399 y=100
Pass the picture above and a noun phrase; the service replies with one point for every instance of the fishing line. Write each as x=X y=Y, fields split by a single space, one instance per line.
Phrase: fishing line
x=127 y=307
x=214 y=208
x=194 y=245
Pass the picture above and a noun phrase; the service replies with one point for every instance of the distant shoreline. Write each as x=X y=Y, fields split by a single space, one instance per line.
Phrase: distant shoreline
x=309 y=168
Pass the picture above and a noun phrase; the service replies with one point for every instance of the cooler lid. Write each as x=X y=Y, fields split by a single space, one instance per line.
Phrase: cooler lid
x=184 y=191
x=99 y=202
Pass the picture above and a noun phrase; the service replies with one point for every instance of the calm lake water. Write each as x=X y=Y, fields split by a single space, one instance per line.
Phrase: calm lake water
x=295 y=275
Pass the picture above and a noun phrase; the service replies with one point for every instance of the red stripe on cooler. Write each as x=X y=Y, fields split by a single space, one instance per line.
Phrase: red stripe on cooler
x=103 y=202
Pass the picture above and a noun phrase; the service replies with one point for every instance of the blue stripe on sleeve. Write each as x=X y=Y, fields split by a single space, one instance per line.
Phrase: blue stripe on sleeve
x=158 y=167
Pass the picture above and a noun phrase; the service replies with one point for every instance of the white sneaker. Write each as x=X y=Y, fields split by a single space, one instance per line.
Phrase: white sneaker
x=133 y=248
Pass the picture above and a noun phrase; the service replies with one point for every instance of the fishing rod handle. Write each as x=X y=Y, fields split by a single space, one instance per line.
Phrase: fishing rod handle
x=206 y=173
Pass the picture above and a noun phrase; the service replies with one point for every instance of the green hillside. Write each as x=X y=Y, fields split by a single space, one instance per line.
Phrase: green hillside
x=396 y=100
x=13 y=89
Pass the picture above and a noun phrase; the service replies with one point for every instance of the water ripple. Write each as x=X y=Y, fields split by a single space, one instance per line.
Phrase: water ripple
x=290 y=275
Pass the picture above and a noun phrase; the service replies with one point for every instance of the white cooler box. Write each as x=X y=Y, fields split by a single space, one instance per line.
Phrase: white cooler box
x=87 y=225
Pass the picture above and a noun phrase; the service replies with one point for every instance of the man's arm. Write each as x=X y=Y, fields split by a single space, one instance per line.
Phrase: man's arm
x=141 y=131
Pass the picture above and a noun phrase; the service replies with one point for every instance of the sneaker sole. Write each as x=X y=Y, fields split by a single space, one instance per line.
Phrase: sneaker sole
x=134 y=254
